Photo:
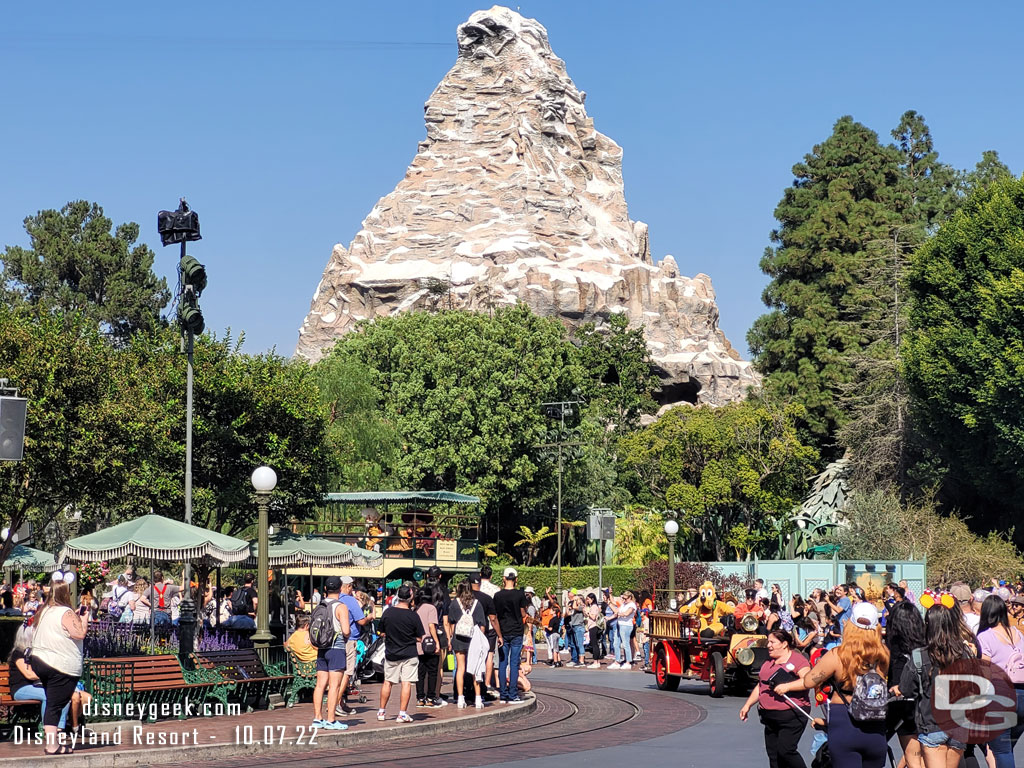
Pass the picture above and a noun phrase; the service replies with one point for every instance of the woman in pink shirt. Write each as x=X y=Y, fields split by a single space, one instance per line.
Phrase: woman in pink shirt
x=783 y=726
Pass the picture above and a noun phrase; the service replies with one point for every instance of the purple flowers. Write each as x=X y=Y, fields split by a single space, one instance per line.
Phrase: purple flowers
x=106 y=639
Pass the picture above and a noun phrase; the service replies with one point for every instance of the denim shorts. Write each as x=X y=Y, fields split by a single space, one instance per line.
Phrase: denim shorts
x=940 y=739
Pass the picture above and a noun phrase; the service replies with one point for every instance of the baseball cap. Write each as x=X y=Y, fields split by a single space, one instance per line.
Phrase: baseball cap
x=510 y=573
x=530 y=590
x=332 y=584
x=961 y=592
x=980 y=595
x=865 y=616
x=474 y=578
x=347 y=579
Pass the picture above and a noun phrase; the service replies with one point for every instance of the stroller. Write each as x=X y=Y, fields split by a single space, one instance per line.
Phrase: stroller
x=370 y=662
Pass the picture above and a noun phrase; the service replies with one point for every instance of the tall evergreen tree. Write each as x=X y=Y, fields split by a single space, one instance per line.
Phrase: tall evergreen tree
x=988 y=170
x=931 y=186
x=77 y=264
x=847 y=195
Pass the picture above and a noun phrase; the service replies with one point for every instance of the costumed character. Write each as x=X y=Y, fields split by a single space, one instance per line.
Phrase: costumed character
x=709 y=610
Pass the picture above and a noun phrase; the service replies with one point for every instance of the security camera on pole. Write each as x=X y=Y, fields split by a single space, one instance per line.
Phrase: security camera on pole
x=182 y=226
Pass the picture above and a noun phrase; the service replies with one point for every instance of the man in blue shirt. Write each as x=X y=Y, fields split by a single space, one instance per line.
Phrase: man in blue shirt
x=358 y=620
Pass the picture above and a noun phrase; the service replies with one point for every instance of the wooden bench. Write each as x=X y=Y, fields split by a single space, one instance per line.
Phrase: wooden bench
x=253 y=680
x=303 y=678
x=12 y=711
x=154 y=680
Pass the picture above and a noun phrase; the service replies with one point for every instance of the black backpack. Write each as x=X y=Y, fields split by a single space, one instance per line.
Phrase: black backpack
x=321 y=626
x=240 y=602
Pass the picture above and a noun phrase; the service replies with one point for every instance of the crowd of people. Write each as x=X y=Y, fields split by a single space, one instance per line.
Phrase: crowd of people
x=873 y=668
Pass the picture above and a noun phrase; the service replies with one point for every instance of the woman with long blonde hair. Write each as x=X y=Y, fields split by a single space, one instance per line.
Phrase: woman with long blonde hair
x=852 y=743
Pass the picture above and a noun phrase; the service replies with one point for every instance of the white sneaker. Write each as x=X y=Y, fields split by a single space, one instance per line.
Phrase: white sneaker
x=627 y=665
x=595 y=665
x=479 y=704
x=462 y=703
x=614 y=665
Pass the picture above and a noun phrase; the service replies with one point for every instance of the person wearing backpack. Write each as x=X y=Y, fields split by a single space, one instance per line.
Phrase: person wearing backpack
x=1003 y=645
x=944 y=645
x=856 y=671
x=329 y=629
x=465 y=615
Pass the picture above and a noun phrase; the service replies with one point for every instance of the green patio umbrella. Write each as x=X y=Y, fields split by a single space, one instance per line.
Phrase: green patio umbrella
x=22 y=557
x=27 y=557
x=292 y=550
x=287 y=549
x=156 y=538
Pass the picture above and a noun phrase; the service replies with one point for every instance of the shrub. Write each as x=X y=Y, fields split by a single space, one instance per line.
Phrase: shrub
x=540 y=578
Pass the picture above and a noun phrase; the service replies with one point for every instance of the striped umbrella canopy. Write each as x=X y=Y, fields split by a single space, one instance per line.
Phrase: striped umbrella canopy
x=28 y=557
x=287 y=549
x=156 y=538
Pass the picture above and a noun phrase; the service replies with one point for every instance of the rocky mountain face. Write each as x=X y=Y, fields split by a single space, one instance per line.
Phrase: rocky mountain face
x=514 y=197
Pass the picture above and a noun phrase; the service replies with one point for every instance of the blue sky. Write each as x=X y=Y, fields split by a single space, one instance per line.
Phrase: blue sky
x=284 y=123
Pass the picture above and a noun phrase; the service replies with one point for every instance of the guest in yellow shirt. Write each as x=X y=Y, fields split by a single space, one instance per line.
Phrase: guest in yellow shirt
x=299 y=643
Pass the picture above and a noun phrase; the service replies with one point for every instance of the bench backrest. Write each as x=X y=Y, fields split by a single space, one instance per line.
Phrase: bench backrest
x=150 y=672
x=5 y=682
x=241 y=664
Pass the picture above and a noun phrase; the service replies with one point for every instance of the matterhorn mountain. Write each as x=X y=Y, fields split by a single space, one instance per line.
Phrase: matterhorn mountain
x=513 y=196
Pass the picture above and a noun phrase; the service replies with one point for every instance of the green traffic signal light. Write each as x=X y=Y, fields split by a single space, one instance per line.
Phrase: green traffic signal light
x=190 y=316
x=192 y=274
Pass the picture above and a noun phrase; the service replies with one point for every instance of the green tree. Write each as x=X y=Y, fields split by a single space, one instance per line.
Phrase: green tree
x=931 y=187
x=531 y=540
x=639 y=536
x=965 y=349
x=988 y=170
x=77 y=264
x=734 y=473
x=847 y=194
x=620 y=377
x=77 y=425
x=364 y=441
x=248 y=410
x=463 y=392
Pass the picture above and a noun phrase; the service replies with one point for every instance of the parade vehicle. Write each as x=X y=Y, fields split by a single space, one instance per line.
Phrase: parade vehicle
x=729 y=660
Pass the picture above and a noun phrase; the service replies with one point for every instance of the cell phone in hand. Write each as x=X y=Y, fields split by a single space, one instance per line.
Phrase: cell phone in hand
x=781 y=676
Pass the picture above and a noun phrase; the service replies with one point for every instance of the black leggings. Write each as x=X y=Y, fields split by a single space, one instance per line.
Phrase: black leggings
x=59 y=690
x=426 y=683
x=782 y=731
x=854 y=745
x=595 y=643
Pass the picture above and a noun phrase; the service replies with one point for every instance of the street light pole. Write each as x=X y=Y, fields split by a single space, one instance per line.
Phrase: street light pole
x=564 y=407
x=671 y=529
x=264 y=480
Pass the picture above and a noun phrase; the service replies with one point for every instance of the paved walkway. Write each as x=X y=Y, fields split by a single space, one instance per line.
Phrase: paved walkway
x=256 y=734
x=562 y=718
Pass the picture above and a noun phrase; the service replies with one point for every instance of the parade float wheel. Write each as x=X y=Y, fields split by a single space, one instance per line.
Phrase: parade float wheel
x=716 y=676
x=664 y=680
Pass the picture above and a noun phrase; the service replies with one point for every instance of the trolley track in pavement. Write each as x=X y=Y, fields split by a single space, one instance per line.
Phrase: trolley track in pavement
x=564 y=714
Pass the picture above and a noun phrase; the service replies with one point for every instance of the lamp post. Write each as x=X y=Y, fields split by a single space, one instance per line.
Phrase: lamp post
x=264 y=479
x=559 y=411
x=671 y=529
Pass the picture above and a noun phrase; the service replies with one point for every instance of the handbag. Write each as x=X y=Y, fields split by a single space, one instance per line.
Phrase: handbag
x=429 y=646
